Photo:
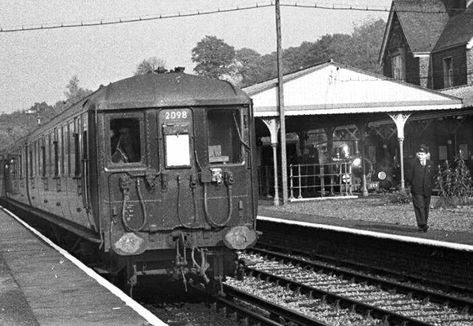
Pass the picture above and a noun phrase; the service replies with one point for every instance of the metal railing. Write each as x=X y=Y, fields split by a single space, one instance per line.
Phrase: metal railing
x=320 y=180
x=312 y=180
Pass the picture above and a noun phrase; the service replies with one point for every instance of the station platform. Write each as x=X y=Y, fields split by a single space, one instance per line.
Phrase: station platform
x=462 y=240
x=41 y=284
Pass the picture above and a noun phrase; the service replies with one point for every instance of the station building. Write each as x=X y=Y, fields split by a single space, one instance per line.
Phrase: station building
x=336 y=113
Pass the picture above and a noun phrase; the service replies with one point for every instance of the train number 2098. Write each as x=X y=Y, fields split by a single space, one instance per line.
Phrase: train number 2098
x=176 y=114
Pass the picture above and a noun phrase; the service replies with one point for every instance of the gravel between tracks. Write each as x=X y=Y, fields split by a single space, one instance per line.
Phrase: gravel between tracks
x=378 y=209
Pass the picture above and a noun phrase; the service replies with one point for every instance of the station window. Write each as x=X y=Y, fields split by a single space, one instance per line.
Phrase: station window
x=447 y=72
x=125 y=144
x=225 y=136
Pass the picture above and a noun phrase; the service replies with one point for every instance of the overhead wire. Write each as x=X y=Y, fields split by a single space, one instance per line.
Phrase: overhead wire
x=257 y=5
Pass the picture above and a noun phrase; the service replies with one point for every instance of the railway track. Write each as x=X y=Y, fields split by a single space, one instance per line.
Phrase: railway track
x=336 y=296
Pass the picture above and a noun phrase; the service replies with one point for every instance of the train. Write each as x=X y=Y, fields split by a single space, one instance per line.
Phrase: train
x=150 y=175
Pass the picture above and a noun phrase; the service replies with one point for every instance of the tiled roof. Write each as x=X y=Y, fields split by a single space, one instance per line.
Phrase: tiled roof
x=422 y=22
x=458 y=31
x=463 y=92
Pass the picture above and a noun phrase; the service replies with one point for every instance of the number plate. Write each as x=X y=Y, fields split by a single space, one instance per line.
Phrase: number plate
x=175 y=115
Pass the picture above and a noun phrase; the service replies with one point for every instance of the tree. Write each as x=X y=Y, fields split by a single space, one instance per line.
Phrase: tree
x=214 y=57
x=367 y=40
x=149 y=65
x=359 y=50
x=248 y=63
x=74 y=92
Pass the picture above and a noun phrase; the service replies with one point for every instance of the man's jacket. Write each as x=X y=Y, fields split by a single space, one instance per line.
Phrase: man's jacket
x=420 y=177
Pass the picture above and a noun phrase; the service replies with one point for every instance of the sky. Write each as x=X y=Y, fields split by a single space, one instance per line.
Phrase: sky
x=37 y=65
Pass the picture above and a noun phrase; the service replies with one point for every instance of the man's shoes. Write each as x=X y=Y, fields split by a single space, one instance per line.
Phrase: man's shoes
x=422 y=228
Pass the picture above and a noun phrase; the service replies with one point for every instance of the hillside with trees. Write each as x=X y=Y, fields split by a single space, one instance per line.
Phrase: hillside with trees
x=244 y=67
x=18 y=124
x=217 y=59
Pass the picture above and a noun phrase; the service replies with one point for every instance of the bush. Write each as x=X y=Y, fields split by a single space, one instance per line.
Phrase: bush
x=454 y=182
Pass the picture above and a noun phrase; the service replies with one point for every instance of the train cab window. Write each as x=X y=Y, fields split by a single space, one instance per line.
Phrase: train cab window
x=224 y=129
x=125 y=144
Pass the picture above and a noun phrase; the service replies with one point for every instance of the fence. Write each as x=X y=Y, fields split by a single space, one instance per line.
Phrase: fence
x=312 y=180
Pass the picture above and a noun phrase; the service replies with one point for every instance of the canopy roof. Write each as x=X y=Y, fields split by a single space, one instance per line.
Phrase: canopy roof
x=333 y=88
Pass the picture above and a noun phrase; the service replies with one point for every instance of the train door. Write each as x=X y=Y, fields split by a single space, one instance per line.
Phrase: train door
x=179 y=176
x=81 y=171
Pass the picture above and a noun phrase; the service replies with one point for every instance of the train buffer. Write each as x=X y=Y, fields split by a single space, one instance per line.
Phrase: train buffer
x=42 y=285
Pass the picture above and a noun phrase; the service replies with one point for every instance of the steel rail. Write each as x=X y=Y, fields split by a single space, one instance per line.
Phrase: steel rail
x=288 y=316
x=234 y=310
x=386 y=316
x=359 y=266
x=465 y=304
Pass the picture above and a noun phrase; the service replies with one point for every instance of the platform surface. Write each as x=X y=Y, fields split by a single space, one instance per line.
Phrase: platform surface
x=461 y=239
x=41 y=286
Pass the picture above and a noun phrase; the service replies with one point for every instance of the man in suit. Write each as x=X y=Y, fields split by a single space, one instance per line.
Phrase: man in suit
x=420 y=177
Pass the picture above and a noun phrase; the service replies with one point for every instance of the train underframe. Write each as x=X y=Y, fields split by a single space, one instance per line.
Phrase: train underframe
x=185 y=260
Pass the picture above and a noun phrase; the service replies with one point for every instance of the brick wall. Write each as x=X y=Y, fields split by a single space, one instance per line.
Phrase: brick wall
x=442 y=265
x=424 y=72
x=469 y=66
x=398 y=41
x=458 y=55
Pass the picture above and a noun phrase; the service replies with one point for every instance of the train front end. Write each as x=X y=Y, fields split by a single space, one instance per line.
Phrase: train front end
x=179 y=194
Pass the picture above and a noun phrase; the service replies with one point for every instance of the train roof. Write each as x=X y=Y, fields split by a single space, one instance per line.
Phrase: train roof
x=173 y=89
x=169 y=90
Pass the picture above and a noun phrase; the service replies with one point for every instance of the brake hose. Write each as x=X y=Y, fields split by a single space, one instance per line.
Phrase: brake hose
x=126 y=192
x=189 y=226
x=228 y=183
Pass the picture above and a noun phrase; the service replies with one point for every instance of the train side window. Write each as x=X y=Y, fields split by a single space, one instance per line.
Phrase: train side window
x=225 y=136
x=56 y=158
x=31 y=163
x=71 y=149
x=50 y=156
x=77 y=170
x=125 y=142
x=20 y=166
x=43 y=160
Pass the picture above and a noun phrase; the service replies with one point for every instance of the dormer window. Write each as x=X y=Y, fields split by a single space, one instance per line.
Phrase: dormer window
x=398 y=65
x=447 y=72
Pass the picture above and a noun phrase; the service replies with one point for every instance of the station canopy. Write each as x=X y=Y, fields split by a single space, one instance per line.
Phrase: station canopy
x=332 y=88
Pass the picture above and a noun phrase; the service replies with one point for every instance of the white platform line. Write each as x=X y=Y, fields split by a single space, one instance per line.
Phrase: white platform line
x=437 y=243
x=142 y=311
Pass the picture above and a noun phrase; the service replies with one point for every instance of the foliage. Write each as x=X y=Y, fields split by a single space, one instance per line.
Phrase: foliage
x=359 y=50
x=149 y=65
x=214 y=57
x=398 y=198
x=454 y=182
x=18 y=124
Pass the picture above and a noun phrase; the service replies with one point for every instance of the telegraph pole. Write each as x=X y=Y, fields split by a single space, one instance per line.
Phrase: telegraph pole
x=282 y=119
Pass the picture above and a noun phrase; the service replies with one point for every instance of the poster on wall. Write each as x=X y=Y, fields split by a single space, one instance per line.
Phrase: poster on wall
x=442 y=153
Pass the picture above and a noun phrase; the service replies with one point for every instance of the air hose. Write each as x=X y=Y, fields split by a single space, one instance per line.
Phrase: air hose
x=125 y=186
x=228 y=183
x=189 y=226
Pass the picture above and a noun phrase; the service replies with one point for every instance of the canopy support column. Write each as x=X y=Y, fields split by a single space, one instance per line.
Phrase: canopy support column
x=362 y=131
x=273 y=126
x=400 y=121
